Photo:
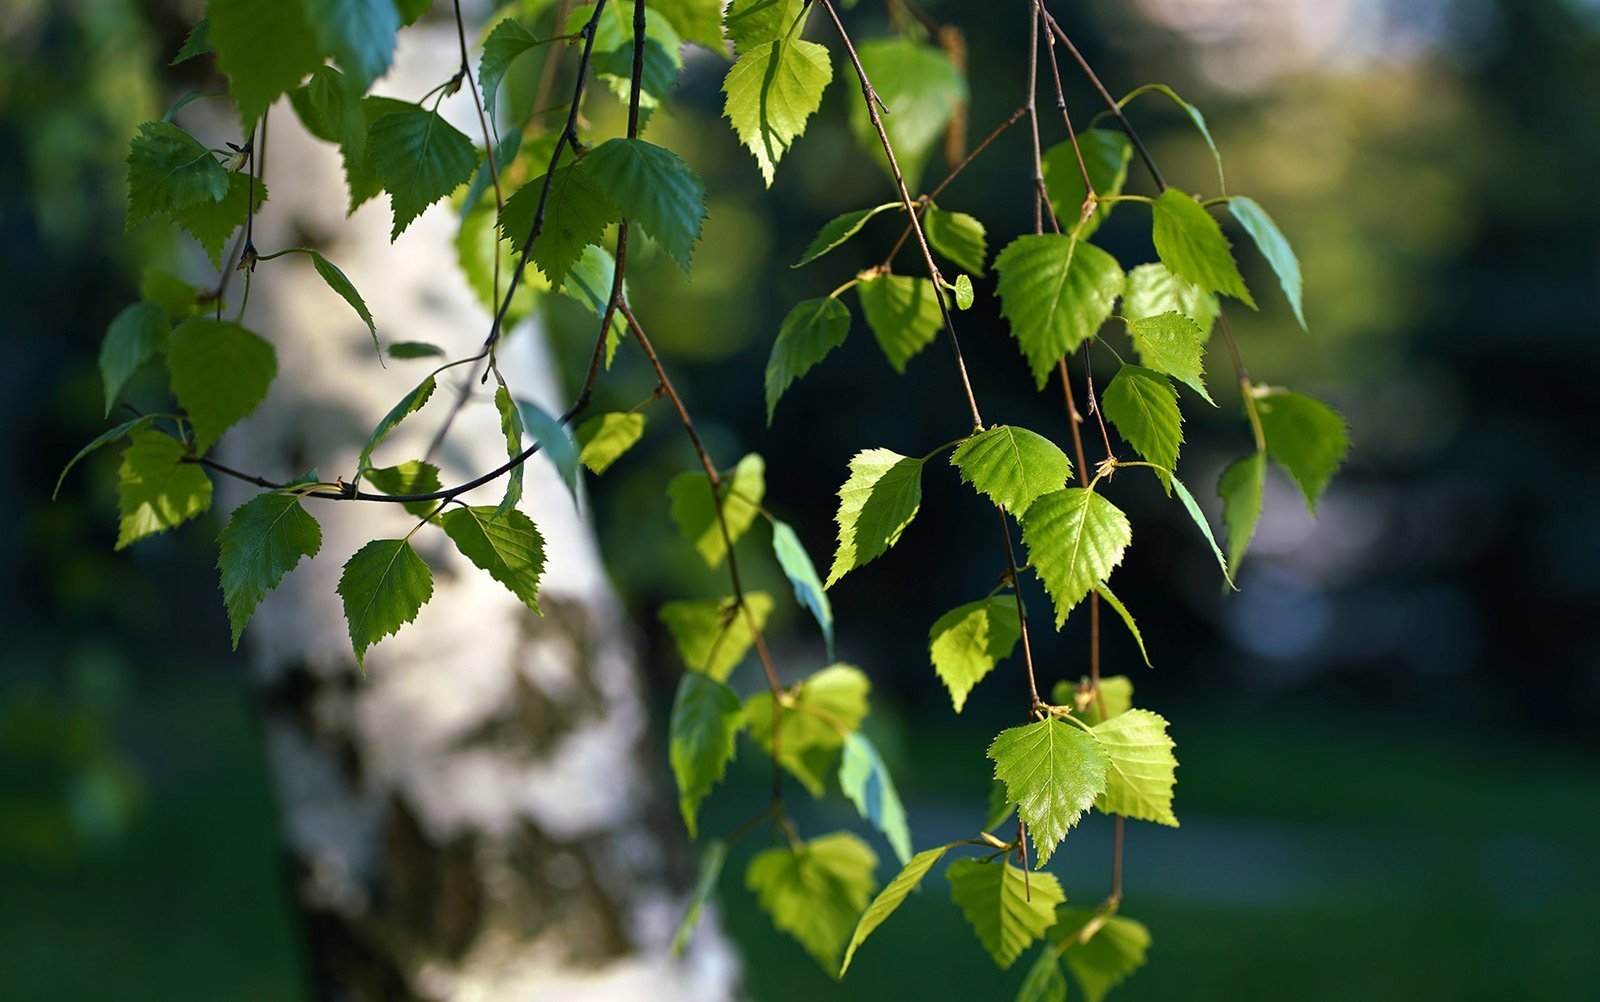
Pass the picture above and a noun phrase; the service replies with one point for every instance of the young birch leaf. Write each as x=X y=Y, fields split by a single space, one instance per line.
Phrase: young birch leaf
x=383 y=586
x=890 y=899
x=512 y=431
x=1075 y=538
x=713 y=636
x=903 y=313
x=839 y=229
x=811 y=330
x=876 y=503
x=220 y=373
x=420 y=158
x=772 y=90
x=967 y=643
x=662 y=62
x=359 y=33
x=169 y=170
x=505 y=152
x=1007 y=908
x=1240 y=487
x=136 y=335
x=1191 y=244
x=266 y=47
x=414 y=349
x=698 y=21
x=1173 y=344
x=602 y=440
x=751 y=23
x=654 y=188
x=920 y=89
x=1046 y=982
x=797 y=567
x=957 y=236
x=1192 y=506
x=576 y=214
x=829 y=705
x=816 y=892
x=866 y=781
x=963 y=292
x=1053 y=772
x=1144 y=408
x=1114 y=697
x=360 y=167
x=1101 y=951
x=1127 y=620
x=1198 y=119
x=506 y=544
x=1055 y=292
x=156 y=489
x=693 y=506
x=264 y=540
x=346 y=289
x=1307 y=438
x=198 y=43
x=104 y=438
x=505 y=43
x=712 y=859
x=1274 y=246
x=706 y=717
x=1013 y=466
x=554 y=440
x=1141 y=766
x=1152 y=290
x=408 y=405
x=589 y=285
x=1105 y=154
x=411 y=477
x=212 y=223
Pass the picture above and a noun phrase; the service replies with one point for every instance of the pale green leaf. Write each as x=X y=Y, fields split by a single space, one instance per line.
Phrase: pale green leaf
x=811 y=330
x=420 y=158
x=512 y=431
x=554 y=441
x=1198 y=119
x=1240 y=487
x=967 y=643
x=698 y=21
x=1144 y=408
x=1152 y=290
x=383 y=587
x=347 y=291
x=694 y=507
x=662 y=63
x=815 y=893
x=506 y=544
x=828 y=705
x=602 y=440
x=1115 y=697
x=903 y=313
x=1046 y=982
x=136 y=335
x=1173 y=344
x=772 y=90
x=1055 y=292
x=1307 y=438
x=170 y=170
x=576 y=214
x=891 y=898
x=266 y=47
x=104 y=438
x=1075 y=538
x=920 y=89
x=360 y=34
x=751 y=23
x=957 y=236
x=653 y=188
x=963 y=292
x=1127 y=620
x=1192 y=506
x=1013 y=466
x=1140 y=767
x=1053 y=772
x=866 y=781
x=839 y=229
x=264 y=540
x=1101 y=951
x=800 y=571
x=712 y=859
x=410 y=477
x=1274 y=246
x=876 y=503
x=1008 y=909
x=1191 y=244
x=1105 y=154
x=220 y=373
x=156 y=489
x=408 y=405
x=589 y=285
x=713 y=636
x=706 y=718
x=478 y=248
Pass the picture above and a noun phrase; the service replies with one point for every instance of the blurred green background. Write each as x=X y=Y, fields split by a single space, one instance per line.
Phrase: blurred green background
x=1389 y=784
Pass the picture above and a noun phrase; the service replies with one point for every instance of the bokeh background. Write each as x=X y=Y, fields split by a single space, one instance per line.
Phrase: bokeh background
x=1389 y=784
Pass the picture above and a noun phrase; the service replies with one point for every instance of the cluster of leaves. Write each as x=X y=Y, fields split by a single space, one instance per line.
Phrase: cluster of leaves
x=1087 y=748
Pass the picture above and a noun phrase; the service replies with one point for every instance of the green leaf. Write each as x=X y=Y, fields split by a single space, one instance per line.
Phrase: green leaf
x=602 y=440
x=1075 y=538
x=576 y=214
x=104 y=438
x=1013 y=466
x=613 y=55
x=655 y=189
x=1191 y=244
x=359 y=33
x=1100 y=951
x=903 y=314
x=1105 y=154
x=554 y=440
x=1274 y=246
x=420 y=158
x=1153 y=290
x=839 y=229
x=177 y=298
x=698 y=21
x=347 y=291
x=1192 y=506
x=589 y=285
x=505 y=153
x=772 y=90
x=169 y=170
x=264 y=540
x=816 y=892
x=1240 y=487
x=360 y=168
x=751 y=23
x=1053 y=772
x=1171 y=343
x=408 y=405
x=411 y=477
x=797 y=567
x=266 y=47
x=967 y=643
x=957 y=236
x=1045 y=981
x=212 y=223
x=1307 y=437
x=1055 y=292
x=866 y=781
x=197 y=44
x=693 y=506
x=136 y=335
x=876 y=503
x=411 y=11
x=220 y=373
x=383 y=586
x=1007 y=908
x=1000 y=805
x=712 y=859
x=512 y=431
x=1198 y=119
x=963 y=292
x=1115 y=698
x=1140 y=767
x=330 y=108
x=1127 y=620
x=811 y=330
x=478 y=247
x=1144 y=408
x=505 y=43
x=706 y=718
x=827 y=706
x=414 y=349
x=920 y=89
x=156 y=489
x=506 y=544
x=891 y=898
x=713 y=636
